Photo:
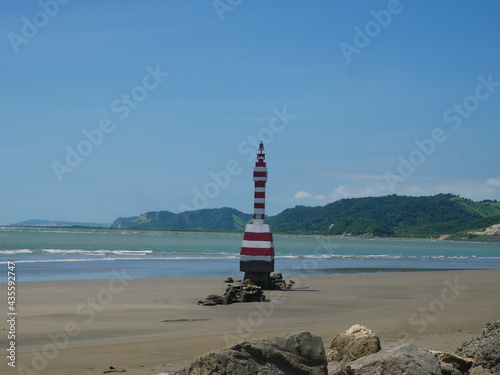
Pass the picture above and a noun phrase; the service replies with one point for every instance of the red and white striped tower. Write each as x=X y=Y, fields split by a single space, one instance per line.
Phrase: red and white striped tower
x=257 y=249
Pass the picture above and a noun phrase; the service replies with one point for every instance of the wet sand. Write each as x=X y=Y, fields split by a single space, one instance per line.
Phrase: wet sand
x=153 y=326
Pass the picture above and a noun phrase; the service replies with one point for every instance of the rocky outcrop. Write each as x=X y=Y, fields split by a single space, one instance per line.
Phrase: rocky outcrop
x=356 y=342
x=353 y=352
x=452 y=364
x=406 y=359
x=484 y=348
x=293 y=354
x=449 y=369
x=278 y=281
x=246 y=292
x=212 y=300
x=479 y=370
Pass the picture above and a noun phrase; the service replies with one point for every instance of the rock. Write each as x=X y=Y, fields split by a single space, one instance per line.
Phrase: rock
x=334 y=368
x=489 y=334
x=246 y=292
x=277 y=280
x=406 y=359
x=484 y=348
x=449 y=369
x=461 y=364
x=229 y=280
x=293 y=354
x=212 y=300
x=358 y=341
x=479 y=370
x=250 y=292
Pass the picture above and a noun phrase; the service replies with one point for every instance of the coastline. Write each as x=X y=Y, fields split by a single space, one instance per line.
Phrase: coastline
x=155 y=326
x=442 y=237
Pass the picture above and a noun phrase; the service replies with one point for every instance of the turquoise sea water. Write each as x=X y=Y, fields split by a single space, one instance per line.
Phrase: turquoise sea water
x=74 y=254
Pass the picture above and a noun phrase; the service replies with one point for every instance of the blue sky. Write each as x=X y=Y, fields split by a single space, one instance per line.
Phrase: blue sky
x=117 y=108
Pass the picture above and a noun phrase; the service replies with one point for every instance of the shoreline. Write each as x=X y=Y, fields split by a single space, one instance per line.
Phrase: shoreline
x=238 y=278
x=442 y=237
x=154 y=325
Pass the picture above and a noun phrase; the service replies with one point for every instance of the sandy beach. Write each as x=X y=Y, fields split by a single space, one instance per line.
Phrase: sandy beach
x=153 y=326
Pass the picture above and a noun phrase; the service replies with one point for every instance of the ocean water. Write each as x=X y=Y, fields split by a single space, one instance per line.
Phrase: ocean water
x=75 y=254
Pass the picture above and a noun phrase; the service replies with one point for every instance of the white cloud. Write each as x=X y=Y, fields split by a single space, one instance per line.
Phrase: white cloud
x=302 y=195
x=493 y=182
x=476 y=190
x=339 y=193
x=365 y=176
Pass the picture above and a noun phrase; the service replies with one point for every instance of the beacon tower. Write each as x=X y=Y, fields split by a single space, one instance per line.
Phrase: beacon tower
x=257 y=249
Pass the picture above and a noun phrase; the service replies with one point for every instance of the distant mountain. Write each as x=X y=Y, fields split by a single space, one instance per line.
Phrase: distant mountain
x=388 y=216
x=55 y=223
x=216 y=219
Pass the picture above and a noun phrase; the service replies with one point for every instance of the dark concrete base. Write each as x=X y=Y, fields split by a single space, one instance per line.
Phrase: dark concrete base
x=256 y=266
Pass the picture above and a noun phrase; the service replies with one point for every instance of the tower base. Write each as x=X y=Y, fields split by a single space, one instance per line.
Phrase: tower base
x=262 y=279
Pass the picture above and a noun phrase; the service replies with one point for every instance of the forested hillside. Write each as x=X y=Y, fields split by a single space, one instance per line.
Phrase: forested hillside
x=389 y=216
x=217 y=219
x=392 y=215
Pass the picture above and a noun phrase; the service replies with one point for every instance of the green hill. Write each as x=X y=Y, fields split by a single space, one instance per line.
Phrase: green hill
x=392 y=215
x=217 y=219
x=389 y=216
x=483 y=208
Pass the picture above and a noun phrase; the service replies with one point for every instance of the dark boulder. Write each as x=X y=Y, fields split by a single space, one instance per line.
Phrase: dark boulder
x=246 y=292
x=278 y=281
x=407 y=359
x=484 y=348
x=478 y=370
x=212 y=300
x=293 y=354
